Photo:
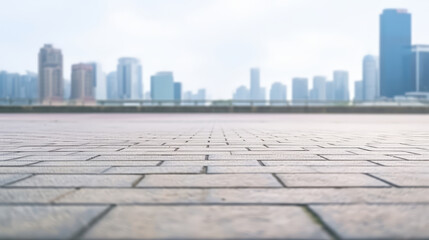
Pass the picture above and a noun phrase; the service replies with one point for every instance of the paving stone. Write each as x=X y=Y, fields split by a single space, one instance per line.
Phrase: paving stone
x=16 y=163
x=218 y=222
x=8 y=178
x=235 y=196
x=152 y=170
x=376 y=221
x=212 y=163
x=147 y=157
x=78 y=181
x=318 y=163
x=213 y=180
x=360 y=157
x=406 y=179
x=58 y=169
x=264 y=157
x=30 y=195
x=260 y=169
x=54 y=157
x=45 y=222
x=330 y=180
x=97 y=163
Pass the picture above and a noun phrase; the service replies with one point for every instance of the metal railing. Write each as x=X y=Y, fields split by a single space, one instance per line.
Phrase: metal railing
x=214 y=103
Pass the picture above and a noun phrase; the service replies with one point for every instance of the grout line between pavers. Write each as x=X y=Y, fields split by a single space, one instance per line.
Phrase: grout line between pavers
x=92 y=223
x=279 y=180
x=319 y=221
x=382 y=180
x=137 y=181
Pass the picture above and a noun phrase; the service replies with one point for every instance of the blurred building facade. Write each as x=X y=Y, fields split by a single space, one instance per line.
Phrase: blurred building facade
x=395 y=42
x=129 y=78
x=162 y=86
x=51 y=82
x=82 y=82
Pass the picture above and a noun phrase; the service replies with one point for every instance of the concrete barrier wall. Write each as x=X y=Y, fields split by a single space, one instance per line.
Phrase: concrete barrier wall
x=217 y=109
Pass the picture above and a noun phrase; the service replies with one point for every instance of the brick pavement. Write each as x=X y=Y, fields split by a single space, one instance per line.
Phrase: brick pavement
x=214 y=176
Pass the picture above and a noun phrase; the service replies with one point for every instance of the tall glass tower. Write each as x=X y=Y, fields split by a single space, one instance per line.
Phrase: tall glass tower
x=395 y=41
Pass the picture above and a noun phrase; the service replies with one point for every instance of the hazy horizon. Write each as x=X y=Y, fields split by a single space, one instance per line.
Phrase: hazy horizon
x=207 y=44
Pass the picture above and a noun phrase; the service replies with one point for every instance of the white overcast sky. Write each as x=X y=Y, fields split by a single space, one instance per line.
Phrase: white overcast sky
x=208 y=44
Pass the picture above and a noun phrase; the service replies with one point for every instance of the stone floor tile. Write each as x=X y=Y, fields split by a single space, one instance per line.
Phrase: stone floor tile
x=45 y=222
x=330 y=180
x=154 y=170
x=260 y=169
x=78 y=181
x=30 y=195
x=210 y=180
x=376 y=221
x=213 y=222
x=97 y=163
x=9 y=178
x=212 y=163
x=59 y=169
x=406 y=179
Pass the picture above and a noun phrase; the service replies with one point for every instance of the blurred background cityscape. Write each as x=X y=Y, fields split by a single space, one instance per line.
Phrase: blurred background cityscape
x=399 y=73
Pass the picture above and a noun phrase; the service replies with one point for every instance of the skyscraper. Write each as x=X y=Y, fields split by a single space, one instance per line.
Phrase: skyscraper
x=330 y=91
x=341 y=85
x=112 y=85
x=162 y=86
x=129 y=77
x=420 y=67
x=50 y=74
x=358 y=91
x=177 y=91
x=82 y=82
x=278 y=93
x=370 y=78
x=100 y=86
x=318 y=92
x=299 y=90
x=255 y=92
x=395 y=42
x=241 y=95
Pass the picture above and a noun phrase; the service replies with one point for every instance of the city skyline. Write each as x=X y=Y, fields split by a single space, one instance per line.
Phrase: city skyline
x=216 y=53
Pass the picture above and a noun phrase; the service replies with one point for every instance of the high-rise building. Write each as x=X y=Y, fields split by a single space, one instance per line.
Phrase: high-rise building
x=395 y=42
x=50 y=74
x=299 y=90
x=277 y=93
x=82 y=82
x=370 y=78
x=162 y=86
x=341 y=85
x=358 y=91
x=420 y=67
x=177 y=91
x=255 y=92
x=14 y=86
x=129 y=78
x=100 y=86
x=318 y=92
x=330 y=91
x=241 y=95
x=112 y=86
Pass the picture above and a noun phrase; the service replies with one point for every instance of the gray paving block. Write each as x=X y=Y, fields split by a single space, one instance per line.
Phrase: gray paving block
x=97 y=163
x=45 y=222
x=406 y=179
x=376 y=221
x=8 y=178
x=59 y=169
x=155 y=170
x=260 y=169
x=212 y=163
x=30 y=195
x=78 y=181
x=219 y=222
x=210 y=180
x=330 y=180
